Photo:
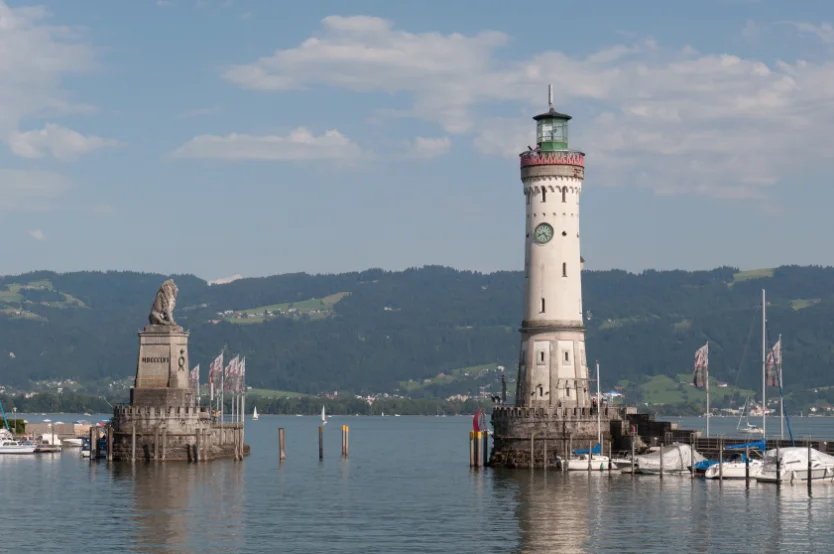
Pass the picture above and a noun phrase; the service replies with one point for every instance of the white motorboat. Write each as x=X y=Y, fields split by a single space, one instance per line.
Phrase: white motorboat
x=8 y=446
x=751 y=429
x=580 y=463
x=733 y=468
x=76 y=442
x=793 y=465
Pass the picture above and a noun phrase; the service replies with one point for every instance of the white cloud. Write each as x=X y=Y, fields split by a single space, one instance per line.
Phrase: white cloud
x=34 y=56
x=37 y=234
x=30 y=190
x=824 y=31
x=428 y=148
x=299 y=146
x=674 y=121
x=64 y=144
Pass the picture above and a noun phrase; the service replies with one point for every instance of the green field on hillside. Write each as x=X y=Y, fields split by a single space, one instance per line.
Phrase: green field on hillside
x=751 y=274
x=661 y=389
x=324 y=305
x=271 y=393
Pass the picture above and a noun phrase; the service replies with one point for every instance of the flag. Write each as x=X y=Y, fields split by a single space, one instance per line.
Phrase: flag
x=699 y=377
x=773 y=360
x=242 y=375
x=195 y=377
x=215 y=367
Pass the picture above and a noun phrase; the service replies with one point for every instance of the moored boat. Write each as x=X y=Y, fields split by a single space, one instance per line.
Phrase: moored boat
x=9 y=446
x=793 y=465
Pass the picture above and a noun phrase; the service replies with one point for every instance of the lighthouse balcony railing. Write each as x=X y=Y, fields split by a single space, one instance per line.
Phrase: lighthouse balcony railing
x=552 y=157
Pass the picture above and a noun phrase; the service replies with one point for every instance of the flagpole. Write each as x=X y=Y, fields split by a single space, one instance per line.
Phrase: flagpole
x=706 y=385
x=781 y=394
x=764 y=365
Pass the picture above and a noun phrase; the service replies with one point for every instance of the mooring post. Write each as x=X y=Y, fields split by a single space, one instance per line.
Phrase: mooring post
x=347 y=440
x=133 y=443
x=478 y=449
x=532 y=451
x=810 y=475
x=321 y=442
x=92 y=443
x=164 y=442
x=198 y=451
x=471 y=448
x=485 y=450
x=778 y=465
x=281 y=455
x=747 y=464
x=343 y=441
x=156 y=444
x=610 y=455
x=110 y=443
x=570 y=446
x=721 y=458
x=660 y=451
x=590 y=454
x=632 y=455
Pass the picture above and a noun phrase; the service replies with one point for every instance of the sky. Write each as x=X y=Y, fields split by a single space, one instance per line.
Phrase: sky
x=256 y=138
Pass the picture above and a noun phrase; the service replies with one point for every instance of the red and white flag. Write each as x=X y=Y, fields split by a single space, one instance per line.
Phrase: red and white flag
x=195 y=377
x=772 y=362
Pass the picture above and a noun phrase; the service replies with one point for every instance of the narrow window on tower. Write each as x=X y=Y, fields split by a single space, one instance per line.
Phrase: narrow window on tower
x=567 y=357
x=564 y=271
x=542 y=306
x=544 y=196
x=564 y=194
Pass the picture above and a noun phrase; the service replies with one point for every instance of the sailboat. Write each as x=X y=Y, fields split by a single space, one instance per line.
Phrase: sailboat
x=323 y=417
x=593 y=459
x=255 y=414
x=749 y=428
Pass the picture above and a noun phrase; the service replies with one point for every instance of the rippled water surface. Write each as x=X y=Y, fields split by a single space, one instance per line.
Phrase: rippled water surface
x=407 y=487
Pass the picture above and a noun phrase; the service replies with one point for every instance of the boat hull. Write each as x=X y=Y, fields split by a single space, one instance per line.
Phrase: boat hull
x=17 y=450
x=598 y=463
x=733 y=470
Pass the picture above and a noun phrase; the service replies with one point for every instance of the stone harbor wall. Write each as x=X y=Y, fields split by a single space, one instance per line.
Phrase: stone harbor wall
x=555 y=432
x=173 y=434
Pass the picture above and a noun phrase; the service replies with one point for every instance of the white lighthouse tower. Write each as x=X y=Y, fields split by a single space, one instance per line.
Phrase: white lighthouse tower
x=552 y=369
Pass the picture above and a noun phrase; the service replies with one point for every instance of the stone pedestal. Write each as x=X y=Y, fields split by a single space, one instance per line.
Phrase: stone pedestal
x=163 y=411
x=555 y=431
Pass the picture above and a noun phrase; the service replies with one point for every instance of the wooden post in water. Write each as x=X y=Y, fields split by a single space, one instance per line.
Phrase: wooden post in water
x=532 y=451
x=747 y=465
x=632 y=456
x=570 y=447
x=133 y=443
x=810 y=476
x=343 y=441
x=471 y=448
x=281 y=455
x=590 y=454
x=721 y=458
x=198 y=451
x=485 y=450
x=156 y=444
x=778 y=465
x=92 y=443
x=347 y=440
x=661 y=460
x=321 y=442
x=164 y=441
x=477 y=449
x=109 y=443
x=610 y=455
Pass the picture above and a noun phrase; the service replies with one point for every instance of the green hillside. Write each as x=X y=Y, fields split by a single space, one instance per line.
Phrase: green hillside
x=418 y=331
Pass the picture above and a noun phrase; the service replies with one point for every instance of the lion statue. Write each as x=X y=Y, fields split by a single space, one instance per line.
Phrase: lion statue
x=162 y=311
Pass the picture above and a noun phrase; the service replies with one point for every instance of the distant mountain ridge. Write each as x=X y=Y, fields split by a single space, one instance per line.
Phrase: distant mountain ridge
x=373 y=330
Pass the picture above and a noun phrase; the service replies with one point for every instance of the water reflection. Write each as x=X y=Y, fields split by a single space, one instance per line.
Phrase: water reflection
x=180 y=507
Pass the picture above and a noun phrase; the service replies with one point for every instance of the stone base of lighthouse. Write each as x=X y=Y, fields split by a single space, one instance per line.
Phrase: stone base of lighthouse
x=535 y=437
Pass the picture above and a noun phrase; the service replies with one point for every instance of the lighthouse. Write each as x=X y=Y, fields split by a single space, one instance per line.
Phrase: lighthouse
x=552 y=368
x=553 y=408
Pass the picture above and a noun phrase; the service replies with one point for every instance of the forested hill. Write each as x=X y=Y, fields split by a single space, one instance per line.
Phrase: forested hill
x=373 y=330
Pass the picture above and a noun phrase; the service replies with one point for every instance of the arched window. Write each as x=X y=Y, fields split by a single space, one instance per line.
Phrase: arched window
x=542 y=305
x=564 y=274
x=564 y=194
x=544 y=196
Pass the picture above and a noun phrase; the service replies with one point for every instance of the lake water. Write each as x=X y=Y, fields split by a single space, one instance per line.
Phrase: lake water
x=407 y=487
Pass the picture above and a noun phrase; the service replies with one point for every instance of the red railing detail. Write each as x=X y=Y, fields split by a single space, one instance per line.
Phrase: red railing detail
x=552 y=158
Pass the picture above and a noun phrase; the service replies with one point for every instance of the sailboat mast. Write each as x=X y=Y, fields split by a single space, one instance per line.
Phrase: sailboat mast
x=599 y=423
x=764 y=365
x=781 y=394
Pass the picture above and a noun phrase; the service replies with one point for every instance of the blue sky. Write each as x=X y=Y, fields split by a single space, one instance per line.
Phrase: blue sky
x=223 y=137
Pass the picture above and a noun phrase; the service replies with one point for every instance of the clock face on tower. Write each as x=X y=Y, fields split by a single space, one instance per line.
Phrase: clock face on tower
x=543 y=233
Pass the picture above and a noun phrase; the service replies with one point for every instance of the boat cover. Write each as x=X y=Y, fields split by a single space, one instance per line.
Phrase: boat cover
x=595 y=450
x=676 y=457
